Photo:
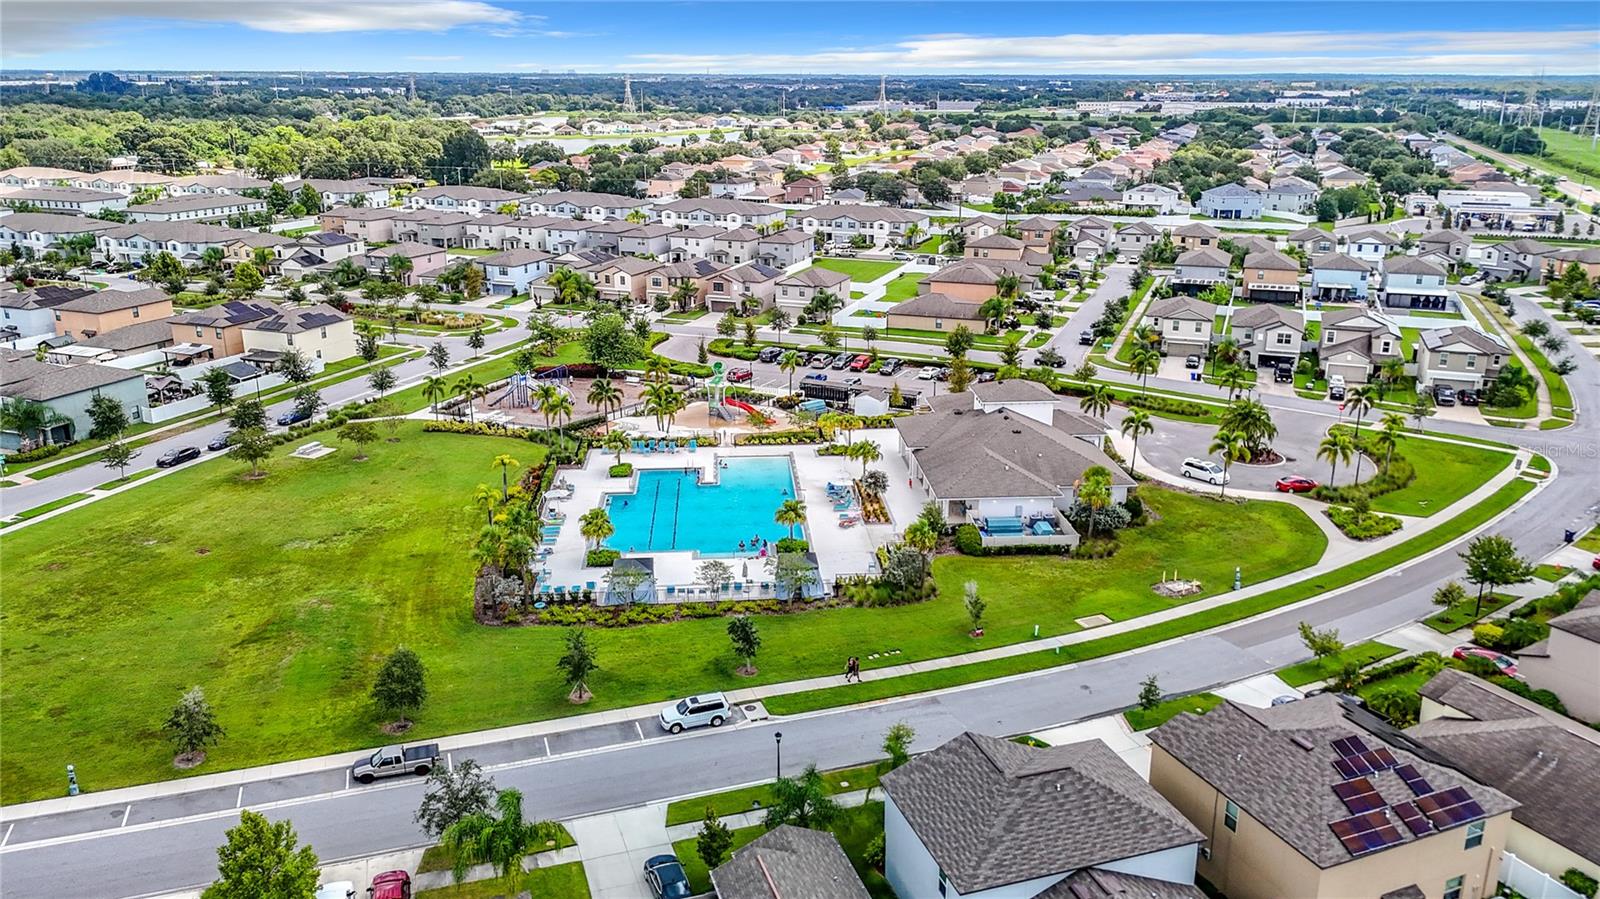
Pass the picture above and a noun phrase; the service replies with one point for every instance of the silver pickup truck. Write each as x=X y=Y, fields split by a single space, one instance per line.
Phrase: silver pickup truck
x=393 y=760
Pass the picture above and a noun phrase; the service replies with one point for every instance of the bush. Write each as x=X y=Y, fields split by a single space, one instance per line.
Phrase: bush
x=1169 y=406
x=601 y=558
x=724 y=346
x=621 y=471
x=1137 y=514
x=1098 y=548
x=1397 y=474
x=1487 y=634
x=37 y=453
x=1362 y=525
x=968 y=541
x=1516 y=634
x=1112 y=518
x=791 y=545
x=781 y=438
x=1579 y=882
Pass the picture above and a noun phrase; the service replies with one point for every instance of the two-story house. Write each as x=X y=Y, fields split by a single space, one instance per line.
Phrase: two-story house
x=1313 y=241
x=30 y=313
x=1355 y=343
x=1290 y=194
x=624 y=278
x=1230 y=201
x=318 y=331
x=995 y=246
x=735 y=247
x=1158 y=198
x=1462 y=358
x=664 y=282
x=986 y=818
x=1267 y=334
x=1183 y=323
x=1134 y=239
x=197 y=208
x=227 y=183
x=1515 y=260
x=1270 y=276
x=424 y=260
x=220 y=327
x=747 y=288
x=1448 y=244
x=1037 y=231
x=1318 y=800
x=796 y=291
x=884 y=226
x=511 y=272
x=187 y=241
x=1337 y=278
x=1197 y=236
x=1568 y=661
x=645 y=240
x=725 y=212
x=692 y=243
x=344 y=191
x=41 y=232
x=591 y=205
x=107 y=310
x=1371 y=246
x=806 y=190
x=465 y=198
x=367 y=223
x=66 y=390
x=65 y=200
x=788 y=862
x=1197 y=271
x=1411 y=282
x=784 y=249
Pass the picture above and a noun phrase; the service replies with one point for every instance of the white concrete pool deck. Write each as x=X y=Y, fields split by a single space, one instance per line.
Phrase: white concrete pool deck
x=840 y=551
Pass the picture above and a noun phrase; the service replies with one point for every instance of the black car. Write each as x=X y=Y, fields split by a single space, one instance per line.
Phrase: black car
x=1467 y=397
x=1284 y=373
x=665 y=877
x=294 y=417
x=1085 y=338
x=1049 y=358
x=178 y=456
x=770 y=354
x=889 y=366
x=220 y=442
x=1191 y=361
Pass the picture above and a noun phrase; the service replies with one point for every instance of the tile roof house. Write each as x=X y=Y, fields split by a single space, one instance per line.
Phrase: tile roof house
x=197 y=208
x=1316 y=799
x=986 y=817
x=788 y=862
x=1544 y=760
x=1568 y=661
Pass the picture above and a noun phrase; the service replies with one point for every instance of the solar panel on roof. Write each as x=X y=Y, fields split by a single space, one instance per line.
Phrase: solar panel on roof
x=1358 y=795
x=1366 y=832
x=1381 y=759
x=1413 y=818
x=1352 y=766
x=1349 y=746
x=1419 y=785
x=1448 y=808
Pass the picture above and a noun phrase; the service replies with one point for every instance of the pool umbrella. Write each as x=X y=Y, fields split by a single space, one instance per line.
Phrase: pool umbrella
x=746 y=568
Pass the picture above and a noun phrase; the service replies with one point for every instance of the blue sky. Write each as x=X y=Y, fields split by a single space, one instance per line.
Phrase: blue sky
x=1454 y=36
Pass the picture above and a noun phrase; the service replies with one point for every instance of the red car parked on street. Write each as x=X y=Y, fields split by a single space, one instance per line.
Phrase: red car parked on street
x=1295 y=484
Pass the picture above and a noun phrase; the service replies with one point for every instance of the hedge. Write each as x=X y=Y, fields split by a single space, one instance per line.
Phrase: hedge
x=37 y=453
x=623 y=470
x=969 y=542
x=1361 y=525
x=601 y=558
x=1397 y=474
x=1171 y=406
x=725 y=346
x=780 y=438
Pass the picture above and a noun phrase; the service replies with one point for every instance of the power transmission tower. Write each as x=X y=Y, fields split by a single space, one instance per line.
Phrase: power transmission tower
x=411 y=87
x=1591 y=118
x=1530 y=106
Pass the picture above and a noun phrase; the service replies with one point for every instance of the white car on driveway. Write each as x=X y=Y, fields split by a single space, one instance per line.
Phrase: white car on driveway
x=696 y=711
x=1204 y=470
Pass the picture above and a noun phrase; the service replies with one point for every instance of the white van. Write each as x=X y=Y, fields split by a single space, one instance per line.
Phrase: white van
x=696 y=711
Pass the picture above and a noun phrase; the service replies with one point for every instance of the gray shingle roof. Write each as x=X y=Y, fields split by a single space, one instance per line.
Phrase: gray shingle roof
x=53 y=223
x=1543 y=760
x=1101 y=883
x=1443 y=337
x=1250 y=756
x=1206 y=256
x=111 y=300
x=1016 y=390
x=299 y=319
x=789 y=862
x=196 y=203
x=1264 y=315
x=156 y=332
x=993 y=812
x=519 y=257
x=1271 y=260
x=1180 y=306
x=1339 y=262
x=1197 y=230
x=937 y=305
x=1412 y=265
x=1583 y=620
x=23 y=378
x=815 y=276
x=996 y=241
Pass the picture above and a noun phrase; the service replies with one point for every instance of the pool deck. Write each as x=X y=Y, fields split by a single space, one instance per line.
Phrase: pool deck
x=840 y=551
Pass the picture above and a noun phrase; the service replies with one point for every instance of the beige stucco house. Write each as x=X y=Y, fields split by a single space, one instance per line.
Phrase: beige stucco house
x=1568 y=662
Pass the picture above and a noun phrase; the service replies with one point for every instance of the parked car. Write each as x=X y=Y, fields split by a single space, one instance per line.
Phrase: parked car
x=842 y=360
x=1049 y=358
x=664 y=875
x=943 y=374
x=1285 y=699
x=890 y=365
x=178 y=456
x=1191 y=361
x=927 y=372
x=696 y=711
x=294 y=416
x=338 y=889
x=220 y=442
x=1283 y=374
x=1595 y=564
x=984 y=377
x=1473 y=278
x=851 y=381
x=1443 y=396
x=901 y=256
x=390 y=885
x=1505 y=663
x=770 y=354
x=1086 y=337
x=860 y=363
x=815 y=376
x=1336 y=387
x=1467 y=397
x=820 y=360
x=1042 y=296
x=1204 y=470
x=392 y=761
x=740 y=375
x=1295 y=484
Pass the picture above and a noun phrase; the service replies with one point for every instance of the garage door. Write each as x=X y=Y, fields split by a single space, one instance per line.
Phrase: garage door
x=1353 y=374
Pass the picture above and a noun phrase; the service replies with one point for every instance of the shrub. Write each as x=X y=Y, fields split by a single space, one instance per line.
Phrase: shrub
x=1517 y=634
x=37 y=453
x=725 y=346
x=1098 y=548
x=1362 y=525
x=601 y=558
x=1136 y=510
x=1112 y=518
x=1169 y=406
x=1579 y=882
x=968 y=541
x=791 y=545
x=1397 y=474
x=1487 y=634
x=621 y=471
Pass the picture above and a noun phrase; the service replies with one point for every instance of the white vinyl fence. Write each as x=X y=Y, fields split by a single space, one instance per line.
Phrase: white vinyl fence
x=1530 y=881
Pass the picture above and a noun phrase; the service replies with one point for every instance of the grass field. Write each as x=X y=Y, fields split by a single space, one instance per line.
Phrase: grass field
x=903 y=287
x=859 y=270
x=1312 y=670
x=1563 y=152
x=1144 y=719
x=1446 y=472
x=281 y=596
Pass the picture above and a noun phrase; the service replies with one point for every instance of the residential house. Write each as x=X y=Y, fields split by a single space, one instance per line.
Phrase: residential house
x=1085 y=193
x=623 y=278
x=187 y=241
x=1036 y=231
x=197 y=208
x=40 y=176
x=1338 y=176
x=1197 y=236
x=465 y=198
x=1159 y=198
x=1547 y=762
x=1459 y=357
x=1134 y=239
x=795 y=291
x=645 y=240
x=692 y=243
x=584 y=204
x=424 y=259
x=784 y=249
x=977 y=226
x=664 y=282
x=1290 y=194
x=40 y=232
x=1412 y=282
x=1270 y=276
x=106 y=310
x=986 y=818
x=747 y=288
x=1004 y=450
x=884 y=226
x=1318 y=800
x=66 y=390
x=1371 y=245
x=974 y=280
x=567 y=235
x=68 y=200
x=1516 y=260
x=1197 y=271
x=509 y=272
x=1585 y=258
x=1337 y=278
x=735 y=247
x=344 y=192
x=131 y=340
x=368 y=224
x=220 y=328
x=1356 y=343
x=788 y=862
x=606 y=235
x=805 y=190
x=434 y=228
x=995 y=246
x=1230 y=201
x=1313 y=241
x=318 y=331
x=1267 y=334
x=31 y=313
x=1452 y=245
x=1183 y=323
x=217 y=184
x=935 y=311
x=723 y=211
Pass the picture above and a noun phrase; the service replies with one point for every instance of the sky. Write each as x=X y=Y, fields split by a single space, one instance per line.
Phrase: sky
x=1120 y=37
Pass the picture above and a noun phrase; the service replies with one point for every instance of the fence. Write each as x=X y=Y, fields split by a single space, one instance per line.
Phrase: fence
x=1530 y=881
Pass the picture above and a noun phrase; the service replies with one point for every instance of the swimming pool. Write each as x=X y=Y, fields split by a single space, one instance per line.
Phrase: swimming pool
x=672 y=510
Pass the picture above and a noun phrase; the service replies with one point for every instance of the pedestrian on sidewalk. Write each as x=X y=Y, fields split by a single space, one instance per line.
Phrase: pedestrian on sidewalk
x=852 y=669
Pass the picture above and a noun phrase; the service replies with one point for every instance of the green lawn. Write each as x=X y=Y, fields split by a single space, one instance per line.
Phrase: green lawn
x=1468 y=613
x=471 y=251
x=50 y=506
x=842 y=780
x=903 y=287
x=1550 y=572
x=1312 y=670
x=558 y=882
x=859 y=270
x=1144 y=719
x=487 y=372
x=438 y=858
x=1590 y=541
x=1446 y=472
x=686 y=315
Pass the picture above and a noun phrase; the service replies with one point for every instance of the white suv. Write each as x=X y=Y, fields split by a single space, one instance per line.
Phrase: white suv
x=1204 y=470
x=696 y=711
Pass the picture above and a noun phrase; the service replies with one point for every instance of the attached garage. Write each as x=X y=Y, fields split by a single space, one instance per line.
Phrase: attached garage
x=1354 y=367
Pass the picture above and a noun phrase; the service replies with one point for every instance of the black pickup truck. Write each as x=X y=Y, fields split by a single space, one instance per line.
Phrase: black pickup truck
x=394 y=760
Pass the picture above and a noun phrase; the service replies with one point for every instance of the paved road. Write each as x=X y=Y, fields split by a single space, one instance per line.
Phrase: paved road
x=1580 y=192
x=164 y=845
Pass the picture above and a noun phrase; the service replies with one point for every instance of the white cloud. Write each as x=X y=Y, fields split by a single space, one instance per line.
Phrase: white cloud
x=1424 y=52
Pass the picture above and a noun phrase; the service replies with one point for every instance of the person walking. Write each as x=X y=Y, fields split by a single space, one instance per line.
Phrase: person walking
x=852 y=669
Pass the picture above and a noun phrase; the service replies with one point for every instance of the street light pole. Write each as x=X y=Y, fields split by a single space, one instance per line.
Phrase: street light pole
x=777 y=745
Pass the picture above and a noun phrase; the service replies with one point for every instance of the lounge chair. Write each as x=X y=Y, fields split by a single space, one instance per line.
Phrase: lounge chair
x=544 y=589
x=693 y=446
x=766 y=587
x=849 y=522
x=671 y=591
x=588 y=585
x=560 y=591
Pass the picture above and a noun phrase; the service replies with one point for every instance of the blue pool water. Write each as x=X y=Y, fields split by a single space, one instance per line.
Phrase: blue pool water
x=672 y=510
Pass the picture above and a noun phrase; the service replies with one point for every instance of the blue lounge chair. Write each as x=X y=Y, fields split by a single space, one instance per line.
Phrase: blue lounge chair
x=544 y=588
x=575 y=590
x=693 y=445
x=738 y=586
x=766 y=587
x=671 y=591
x=561 y=591
x=588 y=585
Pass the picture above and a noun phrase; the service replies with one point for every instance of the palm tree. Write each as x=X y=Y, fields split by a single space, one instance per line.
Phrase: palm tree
x=29 y=418
x=993 y=311
x=790 y=362
x=912 y=233
x=397 y=266
x=1359 y=400
x=346 y=272
x=824 y=303
x=657 y=368
x=618 y=442
x=1009 y=287
x=434 y=390
x=1391 y=371
x=501 y=839
x=1394 y=424
x=664 y=402
x=1136 y=425
x=604 y=395
x=1094 y=491
x=485 y=499
x=1146 y=361
x=1225 y=352
x=791 y=512
x=559 y=407
x=867 y=451
x=541 y=398
x=1231 y=445
x=684 y=295
x=1234 y=380
x=1336 y=447
x=1097 y=401
x=467 y=386
x=506 y=463
x=595 y=526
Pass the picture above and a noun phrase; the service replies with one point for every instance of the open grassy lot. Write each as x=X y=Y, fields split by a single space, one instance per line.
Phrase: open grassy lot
x=281 y=596
x=903 y=287
x=1312 y=670
x=1446 y=472
x=859 y=270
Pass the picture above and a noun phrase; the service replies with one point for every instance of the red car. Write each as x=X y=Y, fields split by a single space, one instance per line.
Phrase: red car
x=1295 y=484
x=390 y=885
x=740 y=375
x=860 y=363
x=1505 y=663
x=1595 y=564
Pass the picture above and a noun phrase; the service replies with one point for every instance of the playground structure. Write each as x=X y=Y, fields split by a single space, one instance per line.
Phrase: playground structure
x=719 y=404
x=519 y=387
